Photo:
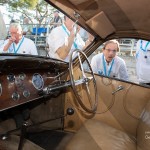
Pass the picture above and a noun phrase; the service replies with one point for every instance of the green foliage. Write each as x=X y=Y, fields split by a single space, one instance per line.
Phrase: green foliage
x=33 y=9
x=30 y=4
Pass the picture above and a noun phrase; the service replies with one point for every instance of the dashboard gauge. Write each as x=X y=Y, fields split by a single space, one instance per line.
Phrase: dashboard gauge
x=18 y=82
x=11 y=77
x=0 y=89
x=22 y=76
x=15 y=96
x=37 y=81
x=26 y=93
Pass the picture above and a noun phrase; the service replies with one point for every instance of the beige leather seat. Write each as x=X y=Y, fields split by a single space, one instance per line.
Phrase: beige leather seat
x=96 y=135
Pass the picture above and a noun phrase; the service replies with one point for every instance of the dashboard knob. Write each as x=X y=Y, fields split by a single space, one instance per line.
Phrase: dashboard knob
x=11 y=77
x=70 y=111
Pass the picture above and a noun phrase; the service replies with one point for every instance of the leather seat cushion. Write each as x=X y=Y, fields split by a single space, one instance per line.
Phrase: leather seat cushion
x=96 y=135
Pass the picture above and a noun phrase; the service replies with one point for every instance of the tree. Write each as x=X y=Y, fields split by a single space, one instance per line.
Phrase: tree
x=33 y=9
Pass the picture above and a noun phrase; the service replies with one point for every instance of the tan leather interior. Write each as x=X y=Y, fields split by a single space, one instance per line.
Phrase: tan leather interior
x=111 y=108
x=102 y=22
x=121 y=119
x=120 y=13
x=100 y=136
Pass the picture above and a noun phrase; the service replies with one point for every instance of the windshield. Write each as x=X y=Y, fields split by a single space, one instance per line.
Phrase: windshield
x=51 y=34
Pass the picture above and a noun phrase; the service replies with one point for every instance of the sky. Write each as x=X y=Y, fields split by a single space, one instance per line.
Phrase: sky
x=5 y=14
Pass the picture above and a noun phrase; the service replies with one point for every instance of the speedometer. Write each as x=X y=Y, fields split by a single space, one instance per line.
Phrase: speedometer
x=37 y=81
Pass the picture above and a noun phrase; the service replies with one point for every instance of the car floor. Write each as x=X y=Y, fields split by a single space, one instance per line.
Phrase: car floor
x=50 y=139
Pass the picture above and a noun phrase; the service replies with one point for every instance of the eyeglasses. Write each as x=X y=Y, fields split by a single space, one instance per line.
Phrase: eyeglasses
x=109 y=50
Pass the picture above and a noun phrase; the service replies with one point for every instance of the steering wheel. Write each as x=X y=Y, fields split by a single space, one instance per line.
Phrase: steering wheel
x=85 y=81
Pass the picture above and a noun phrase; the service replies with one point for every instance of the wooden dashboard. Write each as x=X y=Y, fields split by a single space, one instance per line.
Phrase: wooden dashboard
x=23 y=77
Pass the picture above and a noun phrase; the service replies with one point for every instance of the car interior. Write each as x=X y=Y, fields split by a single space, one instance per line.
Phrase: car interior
x=47 y=103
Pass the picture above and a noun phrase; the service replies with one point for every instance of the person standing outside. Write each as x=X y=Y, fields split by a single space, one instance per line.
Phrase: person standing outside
x=27 y=27
x=17 y=43
x=108 y=63
x=63 y=39
x=56 y=20
x=143 y=62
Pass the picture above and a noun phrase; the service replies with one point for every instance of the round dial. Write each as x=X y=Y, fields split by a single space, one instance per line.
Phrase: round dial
x=11 y=77
x=22 y=76
x=15 y=96
x=37 y=81
x=26 y=93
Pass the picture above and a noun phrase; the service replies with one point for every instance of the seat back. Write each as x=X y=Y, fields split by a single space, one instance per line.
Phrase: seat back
x=143 y=130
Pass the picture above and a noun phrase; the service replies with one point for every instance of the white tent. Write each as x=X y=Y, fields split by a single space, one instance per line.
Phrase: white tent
x=3 y=31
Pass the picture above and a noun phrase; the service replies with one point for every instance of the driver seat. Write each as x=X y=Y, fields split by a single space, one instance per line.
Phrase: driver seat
x=97 y=135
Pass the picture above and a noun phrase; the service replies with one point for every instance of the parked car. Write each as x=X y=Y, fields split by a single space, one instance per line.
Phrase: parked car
x=48 y=103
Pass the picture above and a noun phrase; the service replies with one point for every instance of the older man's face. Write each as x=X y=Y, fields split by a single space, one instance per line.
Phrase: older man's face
x=15 y=33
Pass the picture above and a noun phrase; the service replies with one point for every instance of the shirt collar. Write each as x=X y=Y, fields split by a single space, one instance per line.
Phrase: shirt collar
x=109 y=62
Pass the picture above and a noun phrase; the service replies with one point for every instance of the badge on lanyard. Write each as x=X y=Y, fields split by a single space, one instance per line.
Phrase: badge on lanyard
x=16 y=50
x=11 y=49
x=100 y=72
x=107 y=73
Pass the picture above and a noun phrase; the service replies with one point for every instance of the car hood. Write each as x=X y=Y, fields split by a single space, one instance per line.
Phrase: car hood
x=110 y=18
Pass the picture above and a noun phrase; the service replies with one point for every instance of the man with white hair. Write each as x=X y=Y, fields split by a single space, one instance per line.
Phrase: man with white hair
x=17 y=43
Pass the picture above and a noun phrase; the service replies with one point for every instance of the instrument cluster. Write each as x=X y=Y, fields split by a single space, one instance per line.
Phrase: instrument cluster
x=22 y=85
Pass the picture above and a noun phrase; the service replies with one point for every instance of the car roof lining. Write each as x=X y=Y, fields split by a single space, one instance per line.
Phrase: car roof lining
x=120 y=13
x=101 y=25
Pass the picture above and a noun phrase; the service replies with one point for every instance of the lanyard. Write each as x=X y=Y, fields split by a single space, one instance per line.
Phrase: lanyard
x=75 y=45
x=20 y=43
x=144 y=49
x=104 y=67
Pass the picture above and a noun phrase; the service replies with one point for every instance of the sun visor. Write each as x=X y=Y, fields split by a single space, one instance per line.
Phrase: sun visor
x=101 y=25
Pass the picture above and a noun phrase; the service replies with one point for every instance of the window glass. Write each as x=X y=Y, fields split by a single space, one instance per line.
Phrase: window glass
x=52 y=33
x=126 y=54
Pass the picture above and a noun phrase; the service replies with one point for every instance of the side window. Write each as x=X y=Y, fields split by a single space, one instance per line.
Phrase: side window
x=124 y=67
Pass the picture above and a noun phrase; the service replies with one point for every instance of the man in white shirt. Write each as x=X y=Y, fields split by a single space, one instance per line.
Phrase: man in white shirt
x=17 y=43
x=143 y=62
x=108 y=63
x=63 y=39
